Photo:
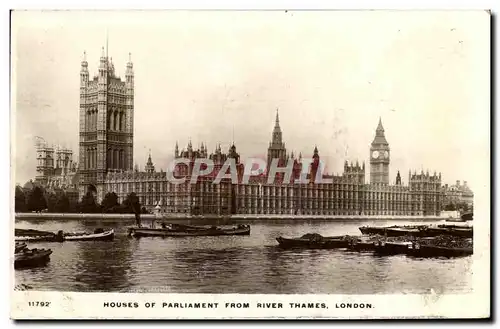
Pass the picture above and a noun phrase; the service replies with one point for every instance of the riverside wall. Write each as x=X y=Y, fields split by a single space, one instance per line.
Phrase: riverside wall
x=80 y=216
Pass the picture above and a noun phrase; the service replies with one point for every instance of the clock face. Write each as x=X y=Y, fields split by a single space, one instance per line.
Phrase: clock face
x=386 y=154
x=375 y=154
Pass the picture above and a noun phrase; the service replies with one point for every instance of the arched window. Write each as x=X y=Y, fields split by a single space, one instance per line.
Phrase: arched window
x=122 y=159
x=115 y=159
x=121 y=121
x=108 y=122
x=115 y=121
x=87 y=121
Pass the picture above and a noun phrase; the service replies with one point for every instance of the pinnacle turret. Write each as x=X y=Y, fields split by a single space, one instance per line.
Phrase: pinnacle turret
x=379 y=134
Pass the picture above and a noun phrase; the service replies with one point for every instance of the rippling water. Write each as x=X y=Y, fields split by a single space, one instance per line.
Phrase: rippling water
x=239 y=264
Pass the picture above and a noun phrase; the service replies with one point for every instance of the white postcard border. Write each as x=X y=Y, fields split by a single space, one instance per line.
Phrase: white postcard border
x=71 y=305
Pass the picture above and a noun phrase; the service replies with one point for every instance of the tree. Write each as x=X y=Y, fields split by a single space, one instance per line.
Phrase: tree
x=110 y=202
x=88 y=204
x=36 y=200
x=450 y=207
x=131 y=204
x=51 y=202
x=62 y=204
x=20 y=200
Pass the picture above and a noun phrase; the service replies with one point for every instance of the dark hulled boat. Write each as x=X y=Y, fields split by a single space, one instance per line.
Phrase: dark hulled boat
x=314 y=241
x=452 y=230
x=183 y=227
x=167 y=232
x=414 y=230
x=419 y=250
x=419 y=231
x=31 y=232
x=361 y=246
x=442 y=246
x=467 y=216
x=32 y=258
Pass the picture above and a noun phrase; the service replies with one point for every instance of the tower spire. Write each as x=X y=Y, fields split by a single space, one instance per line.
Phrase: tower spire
x=277 y=121
x=107 y=41
x=380 y=127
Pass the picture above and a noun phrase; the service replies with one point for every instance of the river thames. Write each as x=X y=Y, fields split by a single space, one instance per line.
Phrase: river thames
x=234 y=264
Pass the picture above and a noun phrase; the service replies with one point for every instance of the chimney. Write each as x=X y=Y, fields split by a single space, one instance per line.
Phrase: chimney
x=458 y=183
x=465 y=183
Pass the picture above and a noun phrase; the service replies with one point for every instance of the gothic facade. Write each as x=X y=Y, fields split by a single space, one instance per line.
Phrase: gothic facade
x=346 y=194
x=458 y=194
x=55 y=167
x=106 y=123
x=106 y=153
x=154 y=188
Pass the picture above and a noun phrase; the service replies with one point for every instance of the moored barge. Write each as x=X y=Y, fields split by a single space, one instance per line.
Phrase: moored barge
x=167 y=232
x=314 y=241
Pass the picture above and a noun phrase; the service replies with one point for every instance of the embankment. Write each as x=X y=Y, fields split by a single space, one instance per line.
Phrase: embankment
x=114 y=217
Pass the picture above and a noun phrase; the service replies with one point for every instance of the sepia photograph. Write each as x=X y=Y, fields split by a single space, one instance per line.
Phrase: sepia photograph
x=250 y=164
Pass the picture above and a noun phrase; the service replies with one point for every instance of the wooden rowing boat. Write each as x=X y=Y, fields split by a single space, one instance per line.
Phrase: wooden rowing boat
x=100 y=236
x=97 y=235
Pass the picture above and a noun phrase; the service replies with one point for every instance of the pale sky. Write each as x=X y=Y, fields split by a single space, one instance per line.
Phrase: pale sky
x=332 y=74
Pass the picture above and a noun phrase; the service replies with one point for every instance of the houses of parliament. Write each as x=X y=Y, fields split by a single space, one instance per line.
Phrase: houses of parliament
x=106 y=165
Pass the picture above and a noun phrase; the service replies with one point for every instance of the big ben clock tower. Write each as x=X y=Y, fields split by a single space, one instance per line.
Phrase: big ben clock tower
x=379 y=157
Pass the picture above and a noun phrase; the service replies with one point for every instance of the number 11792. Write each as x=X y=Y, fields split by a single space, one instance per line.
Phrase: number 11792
x=39 y=304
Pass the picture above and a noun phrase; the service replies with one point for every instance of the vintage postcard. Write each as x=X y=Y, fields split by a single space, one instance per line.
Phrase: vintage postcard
x=250 y=164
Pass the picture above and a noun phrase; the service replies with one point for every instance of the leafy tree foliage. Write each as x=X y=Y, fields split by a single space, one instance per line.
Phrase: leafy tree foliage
x=20 y=200
x=51 y=202
x=110 y=203
x=36 y=200
x=88 y=204
x=132 y=204
x=62 y=204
